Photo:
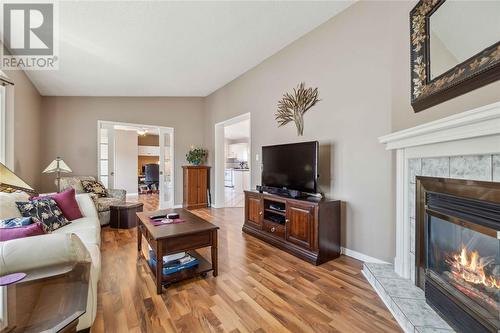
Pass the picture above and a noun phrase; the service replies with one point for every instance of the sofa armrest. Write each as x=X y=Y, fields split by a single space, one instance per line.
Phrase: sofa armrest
x=86 y=204
x=39 y=254
x=119 y=194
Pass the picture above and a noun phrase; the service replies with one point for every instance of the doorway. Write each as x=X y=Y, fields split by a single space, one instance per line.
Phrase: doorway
x=232 y=161
x=139 y=159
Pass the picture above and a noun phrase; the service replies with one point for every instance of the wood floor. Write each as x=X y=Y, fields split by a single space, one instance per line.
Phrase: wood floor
x=259 y=289
x=151 y=201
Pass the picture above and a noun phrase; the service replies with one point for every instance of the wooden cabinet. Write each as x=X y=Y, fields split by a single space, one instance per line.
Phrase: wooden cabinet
x=308 y=229
x=253 y=210
x=300 y=224
x=195 y=186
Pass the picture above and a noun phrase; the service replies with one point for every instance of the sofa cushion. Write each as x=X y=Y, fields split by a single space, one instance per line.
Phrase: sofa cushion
x=46 y=210
x=88 y=229
x=103 y=204
x=8 y=207
x=34 y=229
x=67 y=203
x=93 y=186
x=74 y=182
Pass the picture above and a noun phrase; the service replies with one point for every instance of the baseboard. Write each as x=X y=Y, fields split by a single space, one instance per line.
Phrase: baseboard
x=177 y=206
x=360 y=256
x=132 y=194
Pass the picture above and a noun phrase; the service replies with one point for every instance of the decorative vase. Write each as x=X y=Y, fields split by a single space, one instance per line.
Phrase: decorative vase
x=196 y=162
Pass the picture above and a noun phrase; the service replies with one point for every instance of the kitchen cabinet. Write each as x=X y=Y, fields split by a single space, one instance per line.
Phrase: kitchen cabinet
x=241 y=180
x=149 y=151
x=238 y=151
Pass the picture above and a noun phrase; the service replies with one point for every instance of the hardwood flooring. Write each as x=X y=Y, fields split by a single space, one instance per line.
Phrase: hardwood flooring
x=259 y=289
x=151 y=201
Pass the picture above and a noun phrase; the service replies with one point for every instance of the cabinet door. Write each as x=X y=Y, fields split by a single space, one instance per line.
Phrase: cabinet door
x=299 y=224
x=192 y=186
x=238 y=181
x=254 y=210
x=246 y=180
x=202 y=186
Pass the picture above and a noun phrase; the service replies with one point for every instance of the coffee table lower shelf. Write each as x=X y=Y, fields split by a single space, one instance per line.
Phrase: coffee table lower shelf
x=204 y=266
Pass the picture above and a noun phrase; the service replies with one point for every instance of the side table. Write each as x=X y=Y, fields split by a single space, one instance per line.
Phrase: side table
x=123 y=215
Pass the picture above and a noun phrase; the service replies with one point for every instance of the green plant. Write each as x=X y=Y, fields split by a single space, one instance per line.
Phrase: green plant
x=196 y=156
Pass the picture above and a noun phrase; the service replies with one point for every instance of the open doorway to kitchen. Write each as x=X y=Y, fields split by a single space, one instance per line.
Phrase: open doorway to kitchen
x=232 y=161
x=139 y=159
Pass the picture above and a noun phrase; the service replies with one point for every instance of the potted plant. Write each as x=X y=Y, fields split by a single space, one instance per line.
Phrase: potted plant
x=196 y=156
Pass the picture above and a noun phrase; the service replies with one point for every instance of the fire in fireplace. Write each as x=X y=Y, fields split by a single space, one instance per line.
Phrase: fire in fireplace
x=458 y=251
x=471 y=268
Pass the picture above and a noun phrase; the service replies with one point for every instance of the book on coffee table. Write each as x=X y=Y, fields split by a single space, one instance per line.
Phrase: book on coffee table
x=174 y=266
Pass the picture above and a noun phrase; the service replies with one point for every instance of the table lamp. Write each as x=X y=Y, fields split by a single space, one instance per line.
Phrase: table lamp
x=57 y=166
x=10 y=182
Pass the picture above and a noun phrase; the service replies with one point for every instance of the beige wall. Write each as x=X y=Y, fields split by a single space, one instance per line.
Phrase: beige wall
x=27 y=109
x=359 y=60
x=70 y=128
x=347 y=60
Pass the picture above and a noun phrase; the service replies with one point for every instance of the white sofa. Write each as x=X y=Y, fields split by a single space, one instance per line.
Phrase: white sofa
x=61 y=247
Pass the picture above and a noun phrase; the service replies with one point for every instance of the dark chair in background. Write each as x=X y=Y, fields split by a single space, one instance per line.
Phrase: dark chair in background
x=152 y=176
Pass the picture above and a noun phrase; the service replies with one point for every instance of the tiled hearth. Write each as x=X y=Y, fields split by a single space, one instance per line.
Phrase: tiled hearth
x=405 y=300
x=463 y=146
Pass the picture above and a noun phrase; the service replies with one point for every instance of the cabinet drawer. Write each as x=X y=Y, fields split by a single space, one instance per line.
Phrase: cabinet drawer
x=274 y=228
x=188 y=242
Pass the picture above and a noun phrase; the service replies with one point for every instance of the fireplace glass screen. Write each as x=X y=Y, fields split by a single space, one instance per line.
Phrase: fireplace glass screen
x=467 y=264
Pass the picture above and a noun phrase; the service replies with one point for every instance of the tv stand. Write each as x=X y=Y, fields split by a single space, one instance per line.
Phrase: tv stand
x=307 y=228
x=284 y=192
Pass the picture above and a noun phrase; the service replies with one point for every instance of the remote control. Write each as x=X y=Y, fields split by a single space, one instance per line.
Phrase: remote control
x=156 y=217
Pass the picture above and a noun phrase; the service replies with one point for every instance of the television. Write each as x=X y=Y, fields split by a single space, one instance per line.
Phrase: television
x=292 y=166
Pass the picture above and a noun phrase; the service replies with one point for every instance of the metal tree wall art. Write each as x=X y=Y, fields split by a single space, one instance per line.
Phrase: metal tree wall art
x=293 y=106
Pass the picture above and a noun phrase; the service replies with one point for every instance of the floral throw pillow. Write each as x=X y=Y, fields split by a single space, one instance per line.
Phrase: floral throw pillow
x=16 y=222
x=92 y=186
x=45 y=210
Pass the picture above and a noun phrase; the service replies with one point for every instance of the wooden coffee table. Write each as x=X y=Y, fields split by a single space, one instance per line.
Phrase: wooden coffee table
x=194 y=233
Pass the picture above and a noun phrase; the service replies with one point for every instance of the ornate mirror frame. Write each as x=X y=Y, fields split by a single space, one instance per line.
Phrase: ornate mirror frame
x=475 y=72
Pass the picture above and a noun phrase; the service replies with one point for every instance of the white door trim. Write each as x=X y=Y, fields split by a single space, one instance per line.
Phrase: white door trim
x=160 y=130
x=218 y=196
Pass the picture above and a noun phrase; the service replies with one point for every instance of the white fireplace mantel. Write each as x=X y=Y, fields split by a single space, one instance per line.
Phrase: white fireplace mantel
x=472 y=132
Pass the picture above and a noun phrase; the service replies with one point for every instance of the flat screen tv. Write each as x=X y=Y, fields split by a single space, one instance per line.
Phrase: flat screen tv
x=292 y=166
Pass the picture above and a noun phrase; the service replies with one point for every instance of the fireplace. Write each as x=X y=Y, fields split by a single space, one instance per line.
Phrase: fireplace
x=458 y=251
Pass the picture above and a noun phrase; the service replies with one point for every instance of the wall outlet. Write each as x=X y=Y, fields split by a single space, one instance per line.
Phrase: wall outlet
x=256 y=157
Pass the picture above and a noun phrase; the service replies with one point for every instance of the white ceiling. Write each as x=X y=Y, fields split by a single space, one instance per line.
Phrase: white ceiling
x=156 y=48
x=237 y=131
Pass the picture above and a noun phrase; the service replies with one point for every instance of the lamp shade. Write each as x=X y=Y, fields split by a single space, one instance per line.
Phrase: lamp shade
x=57 y=165
x=9 y=181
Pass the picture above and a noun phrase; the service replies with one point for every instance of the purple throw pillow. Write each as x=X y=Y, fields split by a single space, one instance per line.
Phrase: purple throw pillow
x=33 y=229
x=66 y=201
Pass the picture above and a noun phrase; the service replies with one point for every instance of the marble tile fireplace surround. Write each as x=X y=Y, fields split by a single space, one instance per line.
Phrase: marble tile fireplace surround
x=463 y=146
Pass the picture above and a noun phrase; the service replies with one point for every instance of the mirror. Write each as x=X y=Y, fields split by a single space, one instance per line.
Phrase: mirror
x=459 y=30
x=455 y=48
